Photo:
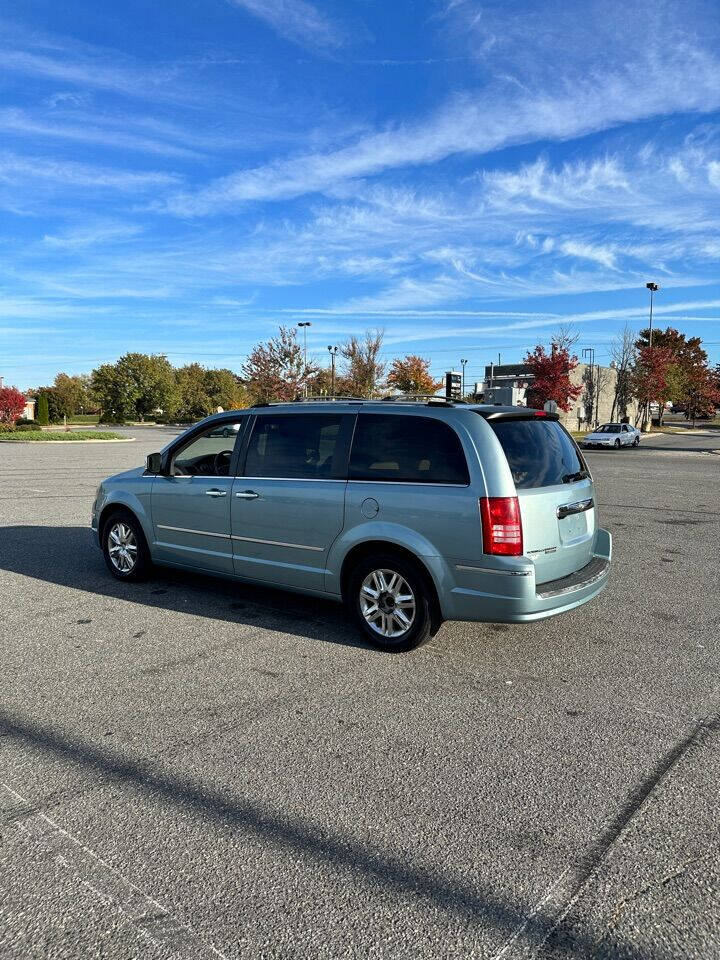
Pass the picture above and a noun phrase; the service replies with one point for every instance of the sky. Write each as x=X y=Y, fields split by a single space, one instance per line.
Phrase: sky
x=183 y=177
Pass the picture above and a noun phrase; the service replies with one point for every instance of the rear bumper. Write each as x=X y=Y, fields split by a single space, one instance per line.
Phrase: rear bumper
x=510 y=595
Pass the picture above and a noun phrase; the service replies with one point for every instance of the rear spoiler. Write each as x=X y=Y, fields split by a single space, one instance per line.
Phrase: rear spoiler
x=517 y=415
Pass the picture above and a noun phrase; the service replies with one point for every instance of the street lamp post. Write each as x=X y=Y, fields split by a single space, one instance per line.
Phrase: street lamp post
x=333 y=354
x=304 y=324
x=463 y=362
x=590 y=352
x=653 y=288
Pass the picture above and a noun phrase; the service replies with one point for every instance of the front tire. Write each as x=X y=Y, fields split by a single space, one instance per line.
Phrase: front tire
x=389 y=600
x=124 y=547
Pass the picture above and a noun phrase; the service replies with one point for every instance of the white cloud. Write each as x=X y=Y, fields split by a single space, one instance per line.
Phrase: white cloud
x=93 y=72
x=112 y=135
x=92 y=234
x=296 y=20
x=409 y=292
x=492 y=118
x=574 y=185
x=604 y=255
x=19 y=169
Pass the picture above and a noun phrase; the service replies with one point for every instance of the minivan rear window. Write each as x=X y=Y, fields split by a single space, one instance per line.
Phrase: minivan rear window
x=539 y=452
x=395 y=448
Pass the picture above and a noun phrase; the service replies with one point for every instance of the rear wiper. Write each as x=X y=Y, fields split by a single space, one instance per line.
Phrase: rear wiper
x=572 y=477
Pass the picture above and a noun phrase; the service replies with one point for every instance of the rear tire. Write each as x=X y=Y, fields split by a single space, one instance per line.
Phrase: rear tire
x=617 y=444
x=636 y=442
x=124 y=547
x=390 y=601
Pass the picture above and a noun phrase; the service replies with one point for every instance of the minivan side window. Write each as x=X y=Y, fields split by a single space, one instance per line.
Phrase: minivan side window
x=410 y=449
x=294 y=446
x=209 y=453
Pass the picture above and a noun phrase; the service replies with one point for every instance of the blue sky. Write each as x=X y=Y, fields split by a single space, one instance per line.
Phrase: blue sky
x=181 y=177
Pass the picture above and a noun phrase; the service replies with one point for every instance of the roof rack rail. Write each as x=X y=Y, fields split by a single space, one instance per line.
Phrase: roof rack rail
x=336 y=399
x=429 y=399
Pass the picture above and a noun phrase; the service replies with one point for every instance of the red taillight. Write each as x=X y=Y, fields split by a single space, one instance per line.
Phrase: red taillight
x=502 y=526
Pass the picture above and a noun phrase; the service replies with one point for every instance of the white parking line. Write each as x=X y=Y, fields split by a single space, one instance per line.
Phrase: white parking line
x=147 y=915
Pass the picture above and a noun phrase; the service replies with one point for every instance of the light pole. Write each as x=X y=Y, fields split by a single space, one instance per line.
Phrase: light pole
x=653 y=288
x=333 y=354
x=590 y=351
x=304 y=324
x=463 y=362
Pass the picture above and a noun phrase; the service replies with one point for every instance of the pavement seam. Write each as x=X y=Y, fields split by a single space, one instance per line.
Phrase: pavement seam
x=148 y=916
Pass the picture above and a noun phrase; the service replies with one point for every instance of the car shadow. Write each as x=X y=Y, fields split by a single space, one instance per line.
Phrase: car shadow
x=68 y=557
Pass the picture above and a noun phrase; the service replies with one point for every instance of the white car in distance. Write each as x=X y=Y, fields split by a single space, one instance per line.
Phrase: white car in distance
x=613 y=435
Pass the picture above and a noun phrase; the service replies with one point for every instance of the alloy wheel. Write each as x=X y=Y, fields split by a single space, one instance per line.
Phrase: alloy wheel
x=387 y=603
x=122 y=547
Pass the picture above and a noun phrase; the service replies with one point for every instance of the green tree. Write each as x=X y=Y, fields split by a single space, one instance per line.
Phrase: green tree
x=225 y=389
x=193 y=400
x=42 y=414
x=72 y=394
x=154 y=381
x=115 y=392
x=54 y=406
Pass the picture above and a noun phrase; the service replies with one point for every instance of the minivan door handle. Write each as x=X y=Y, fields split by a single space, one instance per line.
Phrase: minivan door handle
x=248 y=495
x=567 y=509
x=215 y=493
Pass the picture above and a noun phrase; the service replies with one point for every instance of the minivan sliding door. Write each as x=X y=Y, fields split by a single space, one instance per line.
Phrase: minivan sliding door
x=288 y=499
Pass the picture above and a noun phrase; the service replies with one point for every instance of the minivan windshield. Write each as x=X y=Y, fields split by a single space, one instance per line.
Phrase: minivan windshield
x=609 y=428
x=539 y=452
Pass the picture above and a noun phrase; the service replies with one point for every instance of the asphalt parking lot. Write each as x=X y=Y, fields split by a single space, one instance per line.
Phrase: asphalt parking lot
x=194 y=768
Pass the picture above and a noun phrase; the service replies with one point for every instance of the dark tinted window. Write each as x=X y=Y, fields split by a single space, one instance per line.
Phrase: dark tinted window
x=539 y=452
x=609 y=428
x=406 y=448
x=296 y=445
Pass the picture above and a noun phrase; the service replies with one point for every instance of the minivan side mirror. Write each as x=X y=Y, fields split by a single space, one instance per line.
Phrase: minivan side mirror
x=154 y=463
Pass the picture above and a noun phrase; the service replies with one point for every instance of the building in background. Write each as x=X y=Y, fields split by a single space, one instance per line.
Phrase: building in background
x=509 y=384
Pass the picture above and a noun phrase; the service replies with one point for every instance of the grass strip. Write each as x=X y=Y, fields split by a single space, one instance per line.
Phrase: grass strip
x=71 y=436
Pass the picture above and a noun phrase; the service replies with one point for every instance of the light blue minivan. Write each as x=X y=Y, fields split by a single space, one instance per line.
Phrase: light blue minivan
x=411 y=512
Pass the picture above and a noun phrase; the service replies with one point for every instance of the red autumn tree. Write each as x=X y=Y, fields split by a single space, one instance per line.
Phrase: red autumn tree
x=411 y=374
x=653 y=376
x=12 y=405
x=552 y=377
x=276 y=370
x=702 y=392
